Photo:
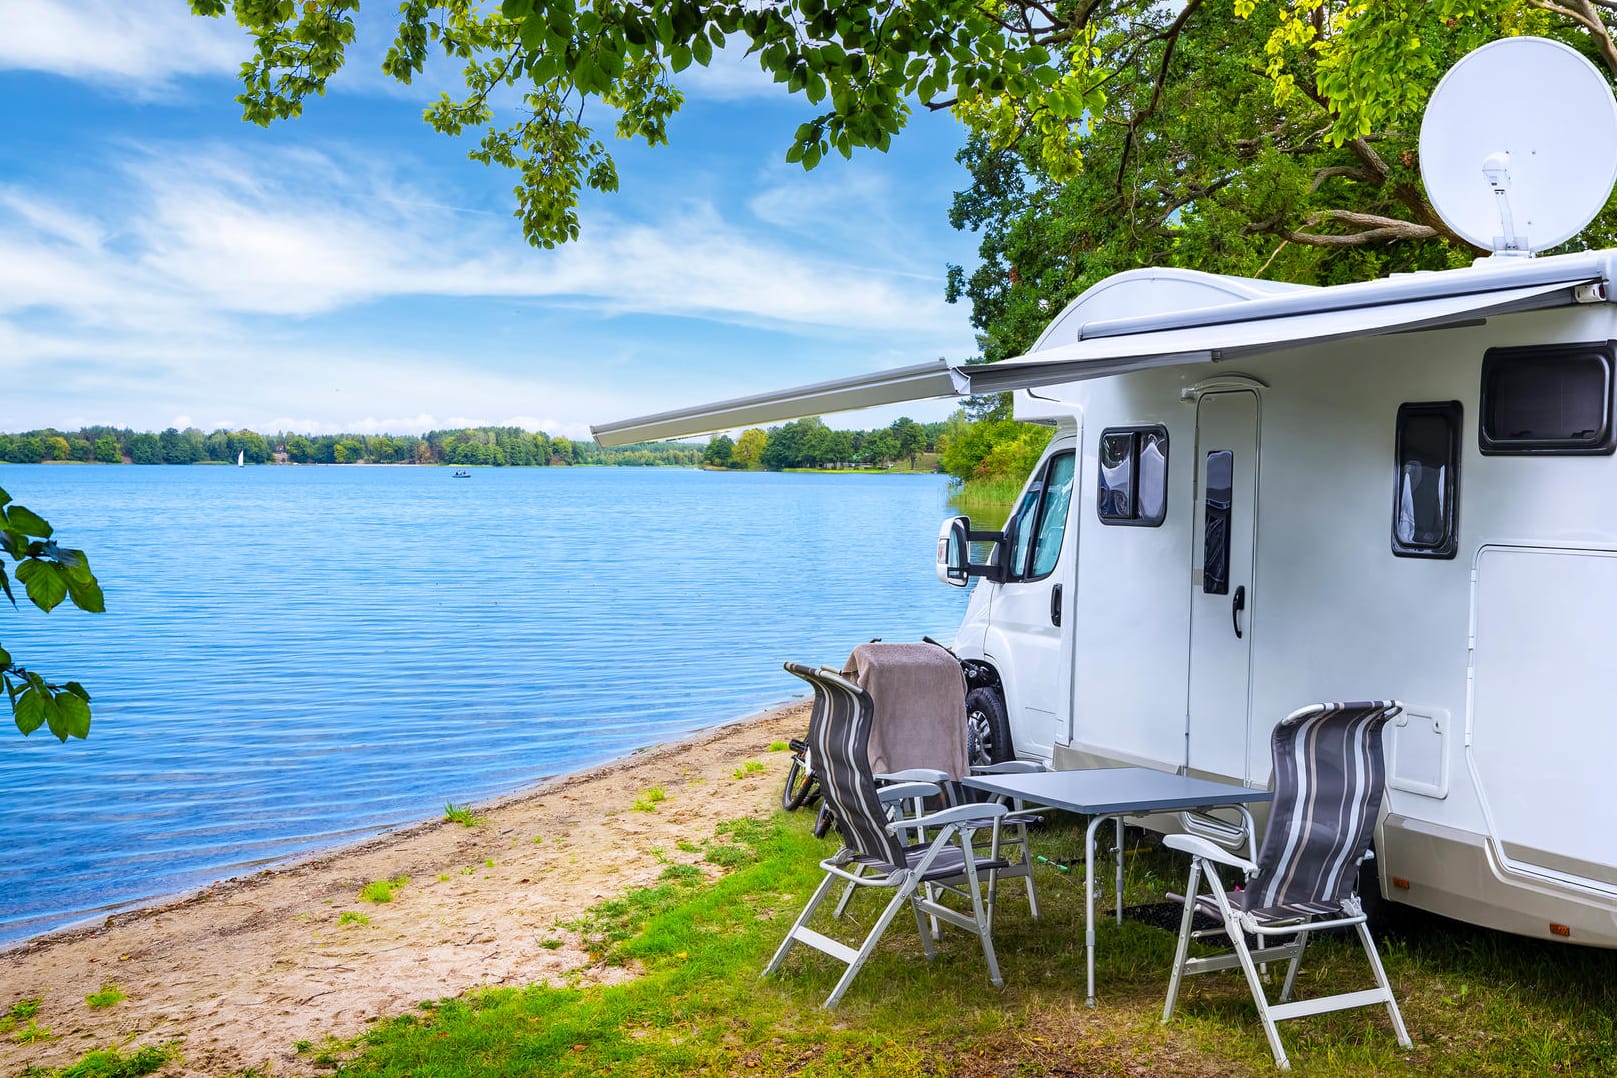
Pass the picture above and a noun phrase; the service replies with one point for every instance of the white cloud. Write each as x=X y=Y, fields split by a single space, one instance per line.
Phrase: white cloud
x=204 y=282
x=211 y=234
x=138 y=44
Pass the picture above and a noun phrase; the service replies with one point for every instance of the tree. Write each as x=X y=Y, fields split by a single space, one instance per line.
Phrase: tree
x=720 y=452
x=749 y=450
x=1021 y=72
x=909 y=438
x=145 y=449
x=106 y=450
x=56 y=448
x=49 y=573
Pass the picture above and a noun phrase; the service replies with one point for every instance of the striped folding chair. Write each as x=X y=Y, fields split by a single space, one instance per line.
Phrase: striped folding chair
x=874 y=853
x=1329 y=776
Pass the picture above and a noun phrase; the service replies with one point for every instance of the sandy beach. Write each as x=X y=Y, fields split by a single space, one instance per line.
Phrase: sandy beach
x=236 y=974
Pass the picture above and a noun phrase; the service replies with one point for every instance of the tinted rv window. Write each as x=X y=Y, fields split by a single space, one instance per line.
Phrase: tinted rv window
x=1040 y=522
x=1547 y=399
x=1053 y=515
x=1216 y=534
x=1133 y=484
x=1428 y=484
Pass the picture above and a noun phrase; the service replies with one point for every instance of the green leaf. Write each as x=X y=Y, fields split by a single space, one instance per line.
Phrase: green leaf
x=5 y=659
x=30 y=711
x=27 y=521
x=5 y=499
x=75 y=715
x=53 y=714
x=78 y=690
x=701 y=50
x=86 y=594
x=45 y=582
x=5 y=585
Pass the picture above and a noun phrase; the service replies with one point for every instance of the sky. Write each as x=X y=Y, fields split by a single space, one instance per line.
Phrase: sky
x=163 y=263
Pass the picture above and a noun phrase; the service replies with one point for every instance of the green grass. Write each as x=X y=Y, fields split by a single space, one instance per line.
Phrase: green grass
x=352 y=917
x=750 y=767
x=32 y=1033
x=1476 y=1002
x=110 y=1063
x=462 y=815
x=109 y=996
x=382 y=890
x=648 y=801
x=778 y=746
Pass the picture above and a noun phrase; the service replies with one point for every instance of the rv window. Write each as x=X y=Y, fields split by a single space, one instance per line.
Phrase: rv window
x=1133 y=486
x=1216 y=530
x=1052 y=516
x=1547 y=399
x=1428 y=484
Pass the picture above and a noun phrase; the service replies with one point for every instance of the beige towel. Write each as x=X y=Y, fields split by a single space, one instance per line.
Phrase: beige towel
x=919 y=693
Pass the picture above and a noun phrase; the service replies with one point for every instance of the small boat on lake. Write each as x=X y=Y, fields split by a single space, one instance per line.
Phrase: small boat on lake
x=463 y=475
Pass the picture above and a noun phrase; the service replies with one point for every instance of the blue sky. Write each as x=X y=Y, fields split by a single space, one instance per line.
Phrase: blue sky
x=163 y=263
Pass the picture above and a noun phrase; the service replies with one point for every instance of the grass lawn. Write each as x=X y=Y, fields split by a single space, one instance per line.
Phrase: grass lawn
x=1476 y=1002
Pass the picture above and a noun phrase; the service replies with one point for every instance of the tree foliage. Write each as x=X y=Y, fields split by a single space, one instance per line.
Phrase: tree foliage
x=49 y=573
x=1267 y=140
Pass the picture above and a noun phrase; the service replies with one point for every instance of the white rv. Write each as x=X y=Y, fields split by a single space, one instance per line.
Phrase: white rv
x=1259 y=496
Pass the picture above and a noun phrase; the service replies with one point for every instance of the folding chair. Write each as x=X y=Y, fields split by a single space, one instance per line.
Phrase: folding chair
x=873 y=855
x=1329 y=776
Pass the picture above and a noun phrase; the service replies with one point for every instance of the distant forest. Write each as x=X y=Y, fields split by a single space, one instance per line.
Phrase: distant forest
x=498 y=446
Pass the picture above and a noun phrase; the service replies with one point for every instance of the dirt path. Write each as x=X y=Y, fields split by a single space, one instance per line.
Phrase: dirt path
x=240 y=972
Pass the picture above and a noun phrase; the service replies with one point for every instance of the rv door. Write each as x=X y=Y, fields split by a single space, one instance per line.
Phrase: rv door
x=1223 y=594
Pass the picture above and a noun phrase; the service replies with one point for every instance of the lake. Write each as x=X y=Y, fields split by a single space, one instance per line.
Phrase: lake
x=296 y=657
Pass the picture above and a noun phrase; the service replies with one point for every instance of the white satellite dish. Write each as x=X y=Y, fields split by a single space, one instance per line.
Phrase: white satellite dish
x=1519 y=145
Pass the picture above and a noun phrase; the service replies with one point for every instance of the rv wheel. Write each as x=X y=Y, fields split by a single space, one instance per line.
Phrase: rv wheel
x=987 y=729
x=1381 y=913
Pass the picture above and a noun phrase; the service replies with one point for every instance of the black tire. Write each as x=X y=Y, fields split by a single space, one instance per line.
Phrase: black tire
x=823 y=822
x=800 y=786
x=1381 y=914
x=988 y=731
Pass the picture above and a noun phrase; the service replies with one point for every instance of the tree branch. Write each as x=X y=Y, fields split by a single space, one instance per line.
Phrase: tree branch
x=1170 y=37
x=1584 y=14
x=1372 y=228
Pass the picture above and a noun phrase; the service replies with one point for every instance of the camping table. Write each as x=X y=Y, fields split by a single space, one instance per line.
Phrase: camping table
x=1112 y=793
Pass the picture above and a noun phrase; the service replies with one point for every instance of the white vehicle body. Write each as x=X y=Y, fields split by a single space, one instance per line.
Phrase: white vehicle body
x=1504 y=651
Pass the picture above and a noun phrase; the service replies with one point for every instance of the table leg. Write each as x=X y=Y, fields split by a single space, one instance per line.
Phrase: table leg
x=1117 y=855
x=1089 y=905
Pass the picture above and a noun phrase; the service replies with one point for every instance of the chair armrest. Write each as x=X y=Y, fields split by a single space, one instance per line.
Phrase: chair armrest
x=959 y=814
x=903 y=791
x=1010 y=767
x=913 y=774
x=1200 y=847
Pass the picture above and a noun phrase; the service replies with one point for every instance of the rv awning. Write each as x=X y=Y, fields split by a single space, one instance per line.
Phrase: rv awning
x=1097 y=357
x=1226 y=332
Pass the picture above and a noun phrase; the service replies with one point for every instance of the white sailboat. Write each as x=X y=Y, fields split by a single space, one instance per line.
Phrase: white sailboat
x=241 y=457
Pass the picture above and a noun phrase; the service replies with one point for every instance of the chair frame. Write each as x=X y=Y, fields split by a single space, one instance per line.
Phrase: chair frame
x=1236 y=924
x=916 y=882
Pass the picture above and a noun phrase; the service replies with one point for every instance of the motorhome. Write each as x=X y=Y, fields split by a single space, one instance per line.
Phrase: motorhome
x=1261 y=495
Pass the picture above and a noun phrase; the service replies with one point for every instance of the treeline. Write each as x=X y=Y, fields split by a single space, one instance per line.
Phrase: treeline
x=499 y=446
x=809 y=443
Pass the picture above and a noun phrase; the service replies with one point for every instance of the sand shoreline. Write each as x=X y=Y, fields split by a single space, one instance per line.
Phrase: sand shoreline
x=236 y=973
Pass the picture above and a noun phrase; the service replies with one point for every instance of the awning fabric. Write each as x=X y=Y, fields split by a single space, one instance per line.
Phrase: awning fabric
x=1102 y=356
x=1206 y=336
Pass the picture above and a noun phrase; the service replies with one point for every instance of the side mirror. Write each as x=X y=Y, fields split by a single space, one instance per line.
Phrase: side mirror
x=954 y=552
x=954 y=564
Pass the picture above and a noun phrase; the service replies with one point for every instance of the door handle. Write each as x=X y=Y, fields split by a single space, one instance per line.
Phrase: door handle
x=1237 y=605
x=1055 y=605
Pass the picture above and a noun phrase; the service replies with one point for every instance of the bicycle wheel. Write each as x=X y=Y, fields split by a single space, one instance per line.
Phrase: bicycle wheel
x=800 y=784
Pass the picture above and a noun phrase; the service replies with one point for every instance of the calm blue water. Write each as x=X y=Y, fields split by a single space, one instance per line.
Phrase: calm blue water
x=296 y=657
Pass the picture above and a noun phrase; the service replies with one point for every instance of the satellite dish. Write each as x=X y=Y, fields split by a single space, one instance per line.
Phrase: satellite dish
x=1519 y=145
